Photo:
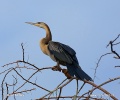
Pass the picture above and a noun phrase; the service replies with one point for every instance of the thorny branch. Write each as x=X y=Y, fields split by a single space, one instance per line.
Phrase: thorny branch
x=6 y=86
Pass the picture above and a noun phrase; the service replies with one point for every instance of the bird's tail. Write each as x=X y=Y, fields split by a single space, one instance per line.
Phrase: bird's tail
x=78 y=72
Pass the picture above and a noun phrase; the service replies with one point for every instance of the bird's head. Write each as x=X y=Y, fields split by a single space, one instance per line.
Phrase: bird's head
x=38 y=24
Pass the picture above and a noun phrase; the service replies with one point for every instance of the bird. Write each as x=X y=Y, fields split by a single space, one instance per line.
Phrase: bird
x=60 y=53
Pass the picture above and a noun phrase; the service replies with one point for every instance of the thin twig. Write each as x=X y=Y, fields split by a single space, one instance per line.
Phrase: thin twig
x=23 y=52
x=98 y=64
x=2 y=85
x=113 y=51
x=100 y=88
x=81 y=87
x=56 y=89
x=29 y=81
x=59 y=94
x=21 y=92
x=111 y=80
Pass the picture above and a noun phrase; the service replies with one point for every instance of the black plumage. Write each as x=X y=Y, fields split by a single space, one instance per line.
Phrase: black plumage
x=66 y=56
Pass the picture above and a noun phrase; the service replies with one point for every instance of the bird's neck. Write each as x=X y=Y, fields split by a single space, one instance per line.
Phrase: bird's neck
x=44 y=42
x=48 y=34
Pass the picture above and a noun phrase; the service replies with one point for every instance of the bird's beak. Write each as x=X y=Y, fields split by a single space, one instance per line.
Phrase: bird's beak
x=31 y=23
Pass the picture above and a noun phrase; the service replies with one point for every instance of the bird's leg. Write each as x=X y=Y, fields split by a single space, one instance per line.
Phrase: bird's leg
x=65 y=71
x=57 y=67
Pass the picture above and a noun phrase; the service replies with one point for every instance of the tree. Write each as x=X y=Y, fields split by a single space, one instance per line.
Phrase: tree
x=21 y=85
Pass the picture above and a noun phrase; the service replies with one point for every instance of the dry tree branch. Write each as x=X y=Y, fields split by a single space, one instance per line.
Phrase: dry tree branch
x=20 y=93
x=9 y=70
x=56 y=89
x=116 y=43
x=59 y=94
x=100 y=88
x=113 y=51
x=23 y=51
x=111 y=43
x=81 y=87
x=7 y=90
x=116 y=38
x=117 y=66
x=98 y=64
x=60 y=86
x=14 y=82
x=106 y=82
x=2 y=85
x=85 y=81
x=77 y=87
x=27 y=80
x=71 y=97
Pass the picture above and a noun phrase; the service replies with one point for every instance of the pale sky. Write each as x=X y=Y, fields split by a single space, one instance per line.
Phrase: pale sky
x=85 y=25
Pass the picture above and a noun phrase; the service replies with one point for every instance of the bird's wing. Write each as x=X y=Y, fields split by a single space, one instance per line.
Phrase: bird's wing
x=61 y=52
x=68 y=49
x=71 y=52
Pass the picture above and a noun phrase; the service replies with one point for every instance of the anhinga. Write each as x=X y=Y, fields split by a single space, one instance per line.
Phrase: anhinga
x=61 y=53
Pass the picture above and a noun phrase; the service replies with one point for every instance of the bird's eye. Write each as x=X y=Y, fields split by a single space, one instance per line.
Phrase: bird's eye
x=38 y=22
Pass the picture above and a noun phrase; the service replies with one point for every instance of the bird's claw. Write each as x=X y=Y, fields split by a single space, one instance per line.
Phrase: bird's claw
x=65 y=71
x=56 y=68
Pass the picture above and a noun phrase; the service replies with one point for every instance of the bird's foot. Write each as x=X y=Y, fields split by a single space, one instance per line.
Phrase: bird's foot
x=56 y=68
x=65 y=71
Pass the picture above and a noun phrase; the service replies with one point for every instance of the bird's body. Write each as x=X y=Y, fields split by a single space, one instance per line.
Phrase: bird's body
x=61 y=53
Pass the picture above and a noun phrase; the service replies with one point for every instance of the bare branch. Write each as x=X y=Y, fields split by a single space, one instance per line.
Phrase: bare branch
x=98 y=64
x=20 y=89
x=23 y=51
x=27 y=80
x=100 y=88
x=56 y=89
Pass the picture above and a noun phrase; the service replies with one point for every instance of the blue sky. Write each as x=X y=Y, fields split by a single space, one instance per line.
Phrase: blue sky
x=85 y=25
